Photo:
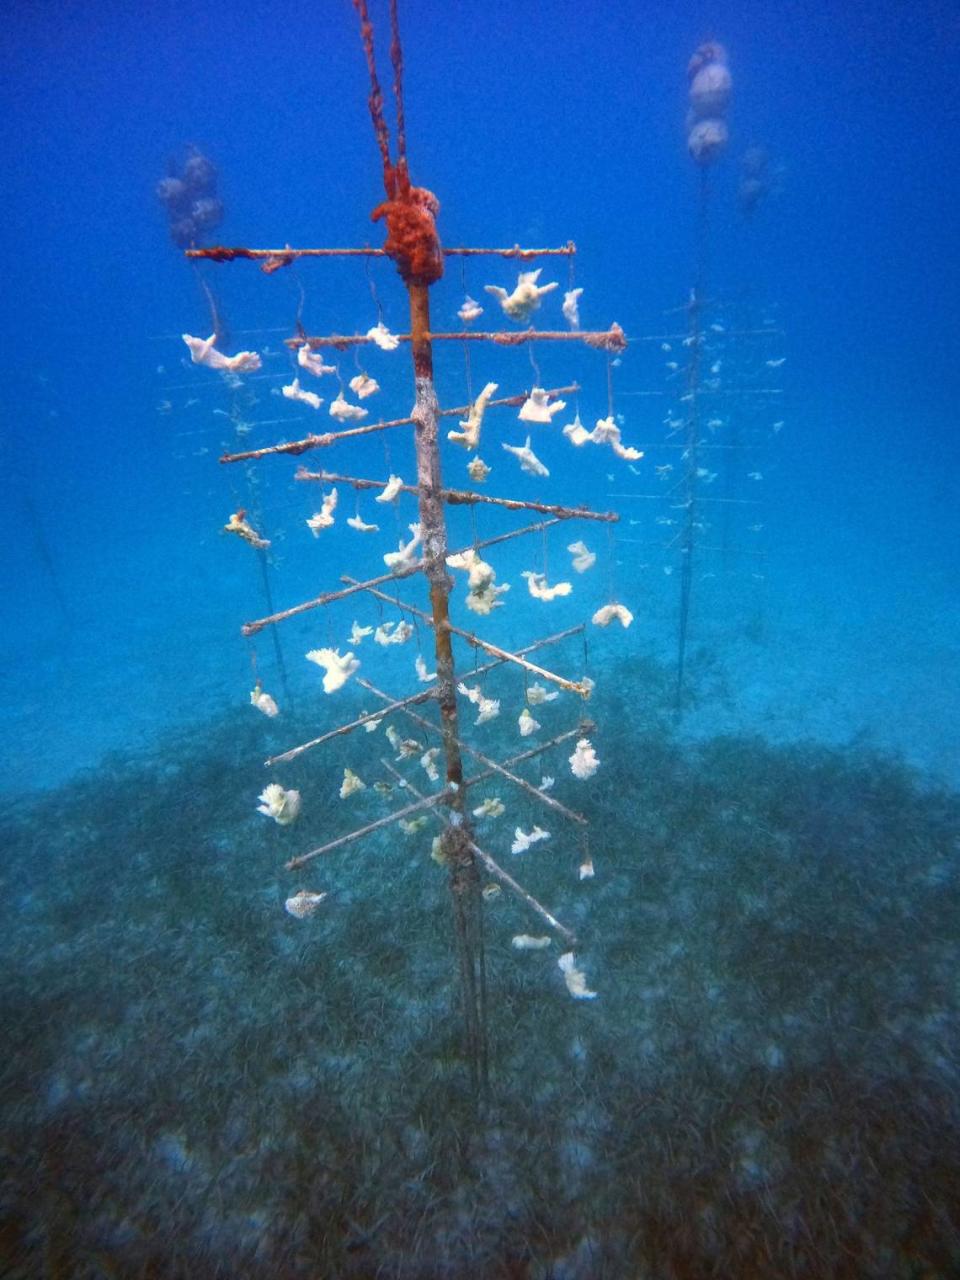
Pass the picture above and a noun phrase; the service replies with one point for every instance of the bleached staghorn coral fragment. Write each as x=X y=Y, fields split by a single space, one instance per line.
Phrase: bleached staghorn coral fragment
x=323 y=519
x=357 y=632
x=546 y=783
x=407 y=748
x=482 y=595
x=393 y=486
x=537 y=693
x=371 y=726
x=537 y=407
x=478 y=470
x=490 y=892
x=584 y=763
x=392 y=736
x=203 y=351
x=293 y=391
x=428 y=762
x=582 y=558
x=423 y=675
x=522 y=841
x=393 y=633
x=470 y=310
x=575 y=978
x=363 y=385
x=526 y=942
x=586 y=869
x=303 y=904
x=405 y=557
x=576 y=432
x=263 y=702
x=469 y=437
x=280 y=805
x=382 y=336
x=338 y=669
x=357 y=522
x=529 y=461
x=350 y=784
x=489 y=708
x=410 y=826
x=492 y=807
x=607 y=432
x=537 y=586
x=571 y=307
x=527 y=724
x=238 y=524
x=313 y=362
x=525 y=298
x=343 y=411
x=605 y=615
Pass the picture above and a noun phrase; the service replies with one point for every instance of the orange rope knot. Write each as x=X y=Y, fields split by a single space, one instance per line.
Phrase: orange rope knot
x=412 y=239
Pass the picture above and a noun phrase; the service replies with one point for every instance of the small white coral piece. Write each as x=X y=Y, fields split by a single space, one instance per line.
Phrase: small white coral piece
x=482 y=596
x=571 y=307
x=605 y=615
x=280 y=805
x=537 y=407
x=469 y=437
x=525 y=298
x=428 y=762
x=546 y=783
x=323 y=519
x=582 y=558
x=607 y=432
x=522 y=840
x=576 y=432
x=478 y=470
x=405 y=557
x=527 y=942
x=537 y=693
x=492 y=807
x=391 y=489
x=293 y=391
x=527 y=724
x=313 y=363
x=343 y=411
x=357 y=632
x=528 y=460
x=586 y=869
x=423 y=675
x=382 y=336
x=410 y=826
x=393 y=633
x=350 y=784
x=537 y=586
x=338 y=669
x=204 y=351
x=470 y=310
x=363 y=385
x=357 y=522
x=575 y=978
x=584 y=763
x=489 y=708
x=263 y=702
x=303 y=904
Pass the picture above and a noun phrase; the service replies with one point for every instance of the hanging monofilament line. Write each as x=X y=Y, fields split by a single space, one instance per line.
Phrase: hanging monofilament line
x=413 y=243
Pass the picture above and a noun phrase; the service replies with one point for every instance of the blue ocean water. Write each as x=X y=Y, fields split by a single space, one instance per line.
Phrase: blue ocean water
x=199 y=1083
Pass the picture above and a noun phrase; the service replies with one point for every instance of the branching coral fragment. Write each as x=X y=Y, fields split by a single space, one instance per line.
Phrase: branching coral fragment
x=525 y=298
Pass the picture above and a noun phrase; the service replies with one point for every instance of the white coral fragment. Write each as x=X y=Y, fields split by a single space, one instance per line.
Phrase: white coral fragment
x=363 y=385
x=410 y=826
x=357 y=632
x=537 y=407
x=293 y=391
x=528 y=460
x=470 y=310
x=423 y=675
x=313 y=363
x=204 y=351
x=478 y=470
x=584 y=763
x=393 y=633
x=488 y=708
x=527 y=942
x=605 y=615
x=537 y=586
x=523 y=840
x=537 y=693
x=323 y=519
x=582 y=558
x=338 y=669
x=492 y=807
x=576 y=432
x=607 y=432
x=391 y=489
x=280 y=805
x=344 y=411
x=586 y=869
x=575 y=978
x=527 y=724
x=482 y=595
x=571 y=307
x=428 y=762
x=303 y=904
x=525 y=298
x=357 y=522
x=405 y=557
x=263 y=702
x=240 y=525
x=382 y=336
x=351 y=783
x=469 y=437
